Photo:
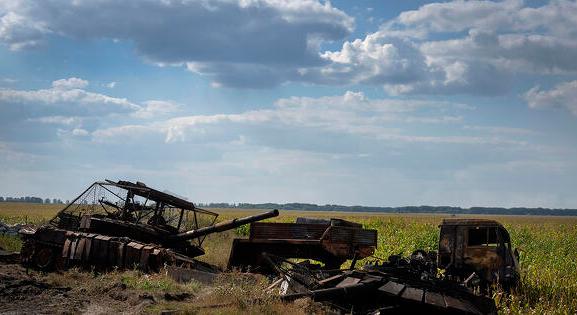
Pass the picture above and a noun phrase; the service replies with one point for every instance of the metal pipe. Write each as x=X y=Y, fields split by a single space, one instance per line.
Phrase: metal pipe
x=223 y=226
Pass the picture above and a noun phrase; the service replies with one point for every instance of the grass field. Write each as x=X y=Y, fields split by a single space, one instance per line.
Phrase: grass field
x=547 y=245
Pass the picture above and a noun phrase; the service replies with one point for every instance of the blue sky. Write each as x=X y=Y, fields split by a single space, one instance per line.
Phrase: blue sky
x=385 y=103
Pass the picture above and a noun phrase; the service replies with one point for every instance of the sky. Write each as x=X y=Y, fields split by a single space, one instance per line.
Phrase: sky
x=377 y=103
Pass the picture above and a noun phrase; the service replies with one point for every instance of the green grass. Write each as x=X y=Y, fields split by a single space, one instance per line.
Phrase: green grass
x=10 y=243
x=547 y=253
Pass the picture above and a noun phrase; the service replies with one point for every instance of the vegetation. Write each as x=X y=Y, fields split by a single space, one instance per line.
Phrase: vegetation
x=547 y=247
x=410 y=209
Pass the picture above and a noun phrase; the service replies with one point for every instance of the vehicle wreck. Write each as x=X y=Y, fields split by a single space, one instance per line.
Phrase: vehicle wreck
x=478 y=246
x=126 y=225
x=473 y=254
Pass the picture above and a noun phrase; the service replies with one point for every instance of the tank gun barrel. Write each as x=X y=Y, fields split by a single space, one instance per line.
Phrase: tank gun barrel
x=223 y=226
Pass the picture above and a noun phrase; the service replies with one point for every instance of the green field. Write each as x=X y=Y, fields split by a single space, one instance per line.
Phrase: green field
x=547 y=246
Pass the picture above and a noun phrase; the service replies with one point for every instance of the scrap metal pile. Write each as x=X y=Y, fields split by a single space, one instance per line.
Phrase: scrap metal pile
x=401 y=285
x=126 y=225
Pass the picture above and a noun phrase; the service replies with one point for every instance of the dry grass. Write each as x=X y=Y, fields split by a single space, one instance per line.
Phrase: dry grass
x=548 y=246
x=27 y=212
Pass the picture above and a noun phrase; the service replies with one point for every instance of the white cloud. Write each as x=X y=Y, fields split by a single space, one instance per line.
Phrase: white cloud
x=68 y=109
x=351 y=114
x=471 y=47
x=79 y=132
x=69 y=84
x=65 y=98
x=155 y=109
x=562 y=95
x=268 y=38
x=501 y=130
x=59 y=120
x=111 y=85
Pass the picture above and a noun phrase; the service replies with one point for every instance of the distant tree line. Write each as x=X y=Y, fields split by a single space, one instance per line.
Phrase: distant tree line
x=408 y=209
x=29 y=199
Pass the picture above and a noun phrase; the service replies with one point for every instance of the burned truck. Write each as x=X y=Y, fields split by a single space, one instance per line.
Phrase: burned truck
x=126 y=225
x=331 y=242
x=474 y=254
x=478 y=249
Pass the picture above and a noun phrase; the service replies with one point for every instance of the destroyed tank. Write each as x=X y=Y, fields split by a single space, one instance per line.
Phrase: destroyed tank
x=125 y=225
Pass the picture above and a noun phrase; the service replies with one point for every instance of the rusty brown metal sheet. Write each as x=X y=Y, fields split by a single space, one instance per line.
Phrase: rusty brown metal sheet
x=435 y=298
x=262 y=230
x=348 y=281
x=103 y=248
x=66 y=248
x=331 y=280
x=463 y=306
x=133 y=253
x=413 y=294
x=87 y=247
x=72 y=249
x=80 y=247
x=120 y=255
x=349 y=235
x=392 y=288
x=146 y=251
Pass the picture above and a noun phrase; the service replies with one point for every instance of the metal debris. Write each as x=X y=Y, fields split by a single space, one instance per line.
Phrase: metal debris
x=331 y=242
x=389 y=288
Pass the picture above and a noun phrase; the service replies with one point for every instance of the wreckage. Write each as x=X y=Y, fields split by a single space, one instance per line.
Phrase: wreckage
x=331 y=242
x=126 y=225
x=474 y=254
x=478 y=249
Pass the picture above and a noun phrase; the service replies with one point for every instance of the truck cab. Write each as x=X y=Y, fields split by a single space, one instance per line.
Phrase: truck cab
x=478 y=246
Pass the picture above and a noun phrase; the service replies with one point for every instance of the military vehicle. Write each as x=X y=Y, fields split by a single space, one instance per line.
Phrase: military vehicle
x=125 y=225
x=331 y=242
x=478 y=246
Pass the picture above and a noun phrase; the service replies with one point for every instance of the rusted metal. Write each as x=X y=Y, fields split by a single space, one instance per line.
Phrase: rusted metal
x=479 y=246
x=126 y=225
x=329 y=241
x=385 y=289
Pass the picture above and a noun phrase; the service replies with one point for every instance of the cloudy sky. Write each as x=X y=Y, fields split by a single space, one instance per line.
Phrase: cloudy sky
x=382 y=103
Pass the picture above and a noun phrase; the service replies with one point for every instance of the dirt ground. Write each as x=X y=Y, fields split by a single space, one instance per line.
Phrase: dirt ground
x=23 y=292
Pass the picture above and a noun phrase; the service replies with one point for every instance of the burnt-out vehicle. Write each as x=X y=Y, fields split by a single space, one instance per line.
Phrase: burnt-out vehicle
x=125 y=225
x=478 y=246
x=330 y=241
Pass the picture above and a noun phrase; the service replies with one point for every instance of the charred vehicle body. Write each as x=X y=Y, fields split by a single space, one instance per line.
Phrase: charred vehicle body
x=125 y=225
x=474 y=254
x=331 y=242
x=480 y=247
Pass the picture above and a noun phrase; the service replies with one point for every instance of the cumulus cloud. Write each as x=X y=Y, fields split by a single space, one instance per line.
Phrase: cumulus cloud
x=562 y=95
x=66 y=108
x=65 y=98
x=470 y=47
x=220 y=37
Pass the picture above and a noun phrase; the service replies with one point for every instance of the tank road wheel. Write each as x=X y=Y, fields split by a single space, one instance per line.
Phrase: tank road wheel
x=44 y=258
